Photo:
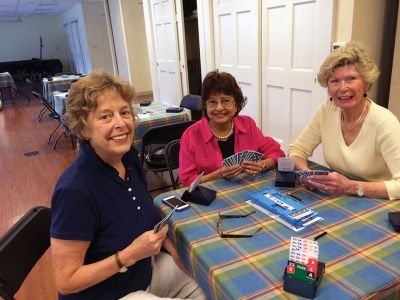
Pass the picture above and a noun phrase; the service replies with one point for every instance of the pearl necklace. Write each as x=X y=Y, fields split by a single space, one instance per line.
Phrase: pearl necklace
x=223 y=138
x=358 y=120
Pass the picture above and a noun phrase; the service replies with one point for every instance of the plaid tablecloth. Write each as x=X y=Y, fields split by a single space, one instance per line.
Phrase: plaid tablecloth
x=6 y=80
x=59 y=83
x=361 y=250
x=157 y=117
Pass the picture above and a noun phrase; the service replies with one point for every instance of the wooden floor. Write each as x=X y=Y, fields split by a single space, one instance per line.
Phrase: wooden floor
x=27 y=181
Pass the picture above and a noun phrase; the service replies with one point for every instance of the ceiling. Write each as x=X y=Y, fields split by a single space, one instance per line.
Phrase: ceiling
x=24 y=8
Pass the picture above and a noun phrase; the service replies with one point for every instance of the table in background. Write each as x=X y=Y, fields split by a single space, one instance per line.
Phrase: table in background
x=157 y=111
x=7 y=82
x=59 y=83
x=158 y=117
x=60 y=101
x=361 y=251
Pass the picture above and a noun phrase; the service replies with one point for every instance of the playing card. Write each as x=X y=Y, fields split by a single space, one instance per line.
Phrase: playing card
x=240 y=157
x=255 y=156
x=161 y=224
x=230 y=160
x=235 y=159
x=307 y=173
x=245 y=154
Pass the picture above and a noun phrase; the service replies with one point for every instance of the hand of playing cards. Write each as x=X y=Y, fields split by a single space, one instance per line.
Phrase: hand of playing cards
x=307 y=173
x=164 y=221
x=240 y=157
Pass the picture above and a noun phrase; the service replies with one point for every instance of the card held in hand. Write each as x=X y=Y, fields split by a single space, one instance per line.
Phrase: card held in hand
x=164 y=221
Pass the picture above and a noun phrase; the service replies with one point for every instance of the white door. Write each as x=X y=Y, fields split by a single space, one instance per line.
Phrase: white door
x=164 y=28
x=237 y=47
x=296 y=38
x=79 y=61
x=70 y=48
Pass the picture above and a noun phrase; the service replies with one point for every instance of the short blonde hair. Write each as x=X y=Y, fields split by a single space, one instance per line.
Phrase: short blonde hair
x=353 y=53
x=83 y=94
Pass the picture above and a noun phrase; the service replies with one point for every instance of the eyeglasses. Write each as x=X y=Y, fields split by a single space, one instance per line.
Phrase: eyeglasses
x=220 y=227
x=225 y=102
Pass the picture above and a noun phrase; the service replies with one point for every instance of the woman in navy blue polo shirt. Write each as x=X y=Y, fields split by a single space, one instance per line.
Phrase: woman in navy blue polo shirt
x=102 y=239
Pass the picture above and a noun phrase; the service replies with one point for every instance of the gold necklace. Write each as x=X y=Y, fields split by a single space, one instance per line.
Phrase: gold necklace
x=223 y=138
x=358 y=120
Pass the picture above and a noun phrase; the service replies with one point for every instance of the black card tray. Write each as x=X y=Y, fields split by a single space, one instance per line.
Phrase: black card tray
x=394 y=219
x=302 y=288
x=285 y=179
x=201 y=195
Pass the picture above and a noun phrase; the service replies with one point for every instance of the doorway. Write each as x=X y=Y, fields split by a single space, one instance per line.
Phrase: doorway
x=192 y=46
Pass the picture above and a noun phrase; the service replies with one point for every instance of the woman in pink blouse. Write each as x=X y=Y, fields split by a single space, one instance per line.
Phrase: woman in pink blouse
x=222 y=133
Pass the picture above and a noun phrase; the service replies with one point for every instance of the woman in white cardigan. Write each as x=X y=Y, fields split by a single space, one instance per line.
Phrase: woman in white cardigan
x=360 y=139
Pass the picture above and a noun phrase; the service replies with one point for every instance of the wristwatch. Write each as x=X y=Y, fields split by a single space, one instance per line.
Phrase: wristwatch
x=360 y=192
x=122 y=268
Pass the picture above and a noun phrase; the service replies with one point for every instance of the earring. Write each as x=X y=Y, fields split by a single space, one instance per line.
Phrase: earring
x=365 y=94
x=330 y=99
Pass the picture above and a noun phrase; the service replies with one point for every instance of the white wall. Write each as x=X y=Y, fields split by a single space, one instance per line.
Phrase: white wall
x=20 y=41
x=135 y=35
x=361 y=20
x=97 y=36
x=394 y=103
x=73 y=14
x=118 y=30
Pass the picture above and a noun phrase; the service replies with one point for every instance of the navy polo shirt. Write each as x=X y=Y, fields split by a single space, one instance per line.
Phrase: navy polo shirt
x=92 y=203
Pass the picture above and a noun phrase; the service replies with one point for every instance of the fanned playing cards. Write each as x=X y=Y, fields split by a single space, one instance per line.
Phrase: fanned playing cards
x=240 y=157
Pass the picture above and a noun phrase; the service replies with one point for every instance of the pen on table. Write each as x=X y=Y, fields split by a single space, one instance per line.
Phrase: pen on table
x=320 y=235
x=293 y=196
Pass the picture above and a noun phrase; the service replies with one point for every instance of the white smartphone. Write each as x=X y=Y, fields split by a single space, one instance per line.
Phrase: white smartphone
x=174 y=201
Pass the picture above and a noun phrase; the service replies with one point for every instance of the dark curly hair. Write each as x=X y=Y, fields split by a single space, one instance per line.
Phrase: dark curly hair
x=217 y=82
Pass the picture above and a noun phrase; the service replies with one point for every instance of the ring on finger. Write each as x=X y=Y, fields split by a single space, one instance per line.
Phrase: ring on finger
x=325 y=188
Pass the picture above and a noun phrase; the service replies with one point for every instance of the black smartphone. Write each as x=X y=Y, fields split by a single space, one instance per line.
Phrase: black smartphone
x=174 y=109
x=174 y=201
x=145 y=103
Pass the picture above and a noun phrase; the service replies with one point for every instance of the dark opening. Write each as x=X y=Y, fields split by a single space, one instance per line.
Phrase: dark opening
x=192 y=46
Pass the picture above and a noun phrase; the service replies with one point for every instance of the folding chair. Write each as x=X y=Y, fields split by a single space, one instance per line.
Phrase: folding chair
x=158 y=137
x=172 y=160
x=21 y=247
x=193 y=103
x=60 y=121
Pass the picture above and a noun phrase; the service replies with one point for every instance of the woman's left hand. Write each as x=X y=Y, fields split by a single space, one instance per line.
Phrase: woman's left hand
x=333 y=183
x=252 y=167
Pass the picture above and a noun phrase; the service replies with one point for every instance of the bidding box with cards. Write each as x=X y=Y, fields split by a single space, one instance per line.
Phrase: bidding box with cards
x=240 y=157
x=303 y=272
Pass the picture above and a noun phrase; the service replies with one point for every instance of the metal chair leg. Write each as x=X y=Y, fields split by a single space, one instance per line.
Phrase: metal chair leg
x=58 y=138
x=72 y=141
x=51 y=134
x=41 y=113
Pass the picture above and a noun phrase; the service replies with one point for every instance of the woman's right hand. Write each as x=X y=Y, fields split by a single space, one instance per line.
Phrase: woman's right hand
x=304 y=181
x=230 y=172
x=145 y=245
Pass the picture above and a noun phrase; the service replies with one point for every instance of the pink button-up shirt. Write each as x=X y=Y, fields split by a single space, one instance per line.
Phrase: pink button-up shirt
x=199 y=150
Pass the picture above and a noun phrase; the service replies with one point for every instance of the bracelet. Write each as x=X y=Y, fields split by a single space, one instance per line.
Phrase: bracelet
x=118 y=261
x=122 y=268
